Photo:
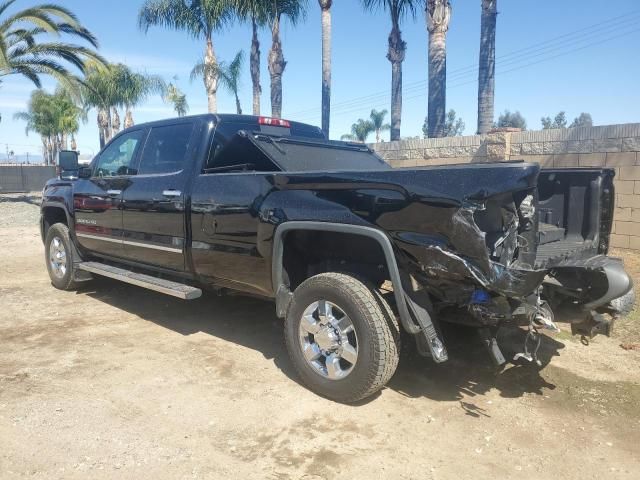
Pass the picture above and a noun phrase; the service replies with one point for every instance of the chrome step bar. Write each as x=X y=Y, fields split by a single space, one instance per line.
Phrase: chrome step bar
x=141 y=280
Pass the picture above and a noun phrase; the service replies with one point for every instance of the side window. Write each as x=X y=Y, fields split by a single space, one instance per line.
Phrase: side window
x=165 y=150
x=214 y=149
x=117 y=158
x=238 y=154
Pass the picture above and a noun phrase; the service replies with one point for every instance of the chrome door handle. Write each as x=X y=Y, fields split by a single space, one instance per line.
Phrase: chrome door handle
x=171 y=193
x=114 y=193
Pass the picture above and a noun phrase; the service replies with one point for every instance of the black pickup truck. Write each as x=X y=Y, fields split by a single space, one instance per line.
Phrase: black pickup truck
x=354 y=253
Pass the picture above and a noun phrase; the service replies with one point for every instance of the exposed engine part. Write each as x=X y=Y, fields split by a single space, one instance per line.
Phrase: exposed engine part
x=544 y=317
x=488 y=310
x=594 y=323
x=527 y=207
x=488 y=336
x=534 y=338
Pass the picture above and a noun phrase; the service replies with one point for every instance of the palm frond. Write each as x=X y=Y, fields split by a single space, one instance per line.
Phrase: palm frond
x=198 y=18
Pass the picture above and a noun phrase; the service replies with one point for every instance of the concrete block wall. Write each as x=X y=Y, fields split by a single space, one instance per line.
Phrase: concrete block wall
x=615 y=146
x=24 y=178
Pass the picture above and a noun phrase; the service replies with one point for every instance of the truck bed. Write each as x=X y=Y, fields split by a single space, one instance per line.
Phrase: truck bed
x=552 y=253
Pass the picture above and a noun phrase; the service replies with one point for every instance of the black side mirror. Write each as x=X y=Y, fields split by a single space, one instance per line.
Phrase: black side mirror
x=68 y=160
x=84 y=172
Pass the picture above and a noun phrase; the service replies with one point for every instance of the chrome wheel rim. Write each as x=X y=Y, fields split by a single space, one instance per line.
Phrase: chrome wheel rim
x=328 y=340
x=57 y=257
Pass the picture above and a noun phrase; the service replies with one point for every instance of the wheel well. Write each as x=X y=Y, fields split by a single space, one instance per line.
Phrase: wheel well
x=310 y=252
x=53 y=215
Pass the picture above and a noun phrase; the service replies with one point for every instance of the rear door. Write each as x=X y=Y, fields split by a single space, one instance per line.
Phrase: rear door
x=98 y=200
x=154 y=204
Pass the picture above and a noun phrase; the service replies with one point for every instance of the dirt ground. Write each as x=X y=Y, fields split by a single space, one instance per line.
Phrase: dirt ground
x=114 y=381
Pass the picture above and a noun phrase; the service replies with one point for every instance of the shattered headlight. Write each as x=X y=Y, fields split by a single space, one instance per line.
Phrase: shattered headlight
x=527 y=208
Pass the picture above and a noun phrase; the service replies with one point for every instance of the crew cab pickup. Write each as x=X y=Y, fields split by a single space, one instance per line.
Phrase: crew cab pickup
x=272 y=208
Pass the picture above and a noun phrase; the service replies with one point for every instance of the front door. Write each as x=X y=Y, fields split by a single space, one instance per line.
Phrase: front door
x=98 y=201
x=154 y=204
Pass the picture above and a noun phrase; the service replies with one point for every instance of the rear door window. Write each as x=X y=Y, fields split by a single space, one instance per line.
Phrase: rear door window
x=166 y=149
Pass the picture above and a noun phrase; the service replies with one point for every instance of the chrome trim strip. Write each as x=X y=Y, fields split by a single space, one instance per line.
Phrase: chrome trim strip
x=96 y=237
x=128 y=242
x=155 y=247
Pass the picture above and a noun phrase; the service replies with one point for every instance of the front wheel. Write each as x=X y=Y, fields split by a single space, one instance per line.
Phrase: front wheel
x=342 y=337
x=59 y=257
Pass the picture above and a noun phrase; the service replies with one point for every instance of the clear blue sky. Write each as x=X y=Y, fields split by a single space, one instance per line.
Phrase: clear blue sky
x=594 y=70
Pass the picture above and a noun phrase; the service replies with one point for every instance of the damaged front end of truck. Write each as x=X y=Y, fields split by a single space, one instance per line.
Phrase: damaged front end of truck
x=516 y=253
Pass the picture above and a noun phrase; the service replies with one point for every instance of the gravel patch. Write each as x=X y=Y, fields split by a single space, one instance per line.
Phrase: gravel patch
x=19 y=209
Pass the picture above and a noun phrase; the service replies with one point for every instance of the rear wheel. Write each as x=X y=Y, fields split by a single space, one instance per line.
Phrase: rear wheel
x=59 y=257
x=342 y=337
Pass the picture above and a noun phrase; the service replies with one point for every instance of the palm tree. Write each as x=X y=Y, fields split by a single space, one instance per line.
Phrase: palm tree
x=325 y=7
x=229 y=74
x=359 y=131
x=487 y=66
x=377 y=120
x=135 y=88
x=178 y=99
x=397 y=9
x=438 y=13
x=257 y=12
x=54 y=117
x=23 y=53
x=199 y=18
x=100 y=91
x=293 y=10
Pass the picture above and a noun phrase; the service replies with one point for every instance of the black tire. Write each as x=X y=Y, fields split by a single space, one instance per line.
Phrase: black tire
x=62 y=281
x=378 y=336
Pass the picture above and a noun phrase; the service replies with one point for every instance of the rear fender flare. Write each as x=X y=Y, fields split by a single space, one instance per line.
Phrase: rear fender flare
x=281 y=290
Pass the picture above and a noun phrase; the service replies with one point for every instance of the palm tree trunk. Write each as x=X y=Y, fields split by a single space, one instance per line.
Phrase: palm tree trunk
x=210 y=77
x=115 y=126
x=103 y=125
x=128 y=118
x=45 y=150
x=395 y=55
x=438 y=16
x=254 y=61
x=487 y=66
x=277 y=65
x=238 y=107
x=325 y=5
x=377 y=135
x=109 y=129
x=74 y=145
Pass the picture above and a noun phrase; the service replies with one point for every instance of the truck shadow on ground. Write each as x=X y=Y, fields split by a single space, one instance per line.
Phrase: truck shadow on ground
x=252 y=323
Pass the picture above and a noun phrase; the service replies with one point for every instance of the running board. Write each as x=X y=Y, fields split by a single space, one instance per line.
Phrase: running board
x=141 y=280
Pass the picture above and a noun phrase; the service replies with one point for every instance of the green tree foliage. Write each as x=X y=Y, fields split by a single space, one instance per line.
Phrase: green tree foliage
x=377 y=120
x=54 y=117
x=583 y=120
x=178 y=99
x=511 y=120
x=199 y=19
x=560 y=121
x=453 y=126
x=133 y=88
x=359 y=131
x=30 y=44
x=109 y=87
x=228 y=73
